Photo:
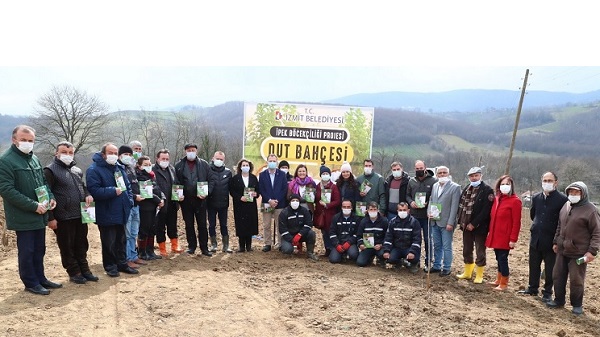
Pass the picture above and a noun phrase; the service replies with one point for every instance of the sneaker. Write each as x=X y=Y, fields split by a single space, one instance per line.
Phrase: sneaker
x=577 y=311
x=90 y=277
x=79 y=279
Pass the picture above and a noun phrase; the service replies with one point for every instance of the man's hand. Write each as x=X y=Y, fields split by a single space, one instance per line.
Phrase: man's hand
x=362 y=194
x=378 y=247
x=138 y=197
x=52 y=204
x=52 y=224
x=41 y=208
x=386 y=255
x=555 y=248
x=589 y=257
x=202 y=197
x=296 y=239
x=88 y=200
x=449 y=227
x=118 y=191
x=410 y=256
x=470 y=227
x=361 y=247
x=413 y=204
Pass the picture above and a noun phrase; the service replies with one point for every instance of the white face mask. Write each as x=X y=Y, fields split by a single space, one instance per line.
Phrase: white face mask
x=548 y=187
x=66 y=159
x=127 y=159
x=373 y=214
x=402 y=214
x=218 y=162
x=397 y=174
x=325 y=177
x=111 y=159
x=504 y=189
x=285 y=170
x=163 y=164
x=245 y=169
x=147 y=168
x=443 y=180
x=191 y=156
x=25 y=147
x=295 y=204
x=137 y=155
x=346 y=211
x=368 y=170
x=574 y=198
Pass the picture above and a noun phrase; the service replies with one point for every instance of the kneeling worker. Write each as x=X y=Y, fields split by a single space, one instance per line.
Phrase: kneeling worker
x=295 y=226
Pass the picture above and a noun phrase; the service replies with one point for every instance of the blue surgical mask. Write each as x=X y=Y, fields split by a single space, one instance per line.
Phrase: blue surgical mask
x=475 y=183
x=272 y=165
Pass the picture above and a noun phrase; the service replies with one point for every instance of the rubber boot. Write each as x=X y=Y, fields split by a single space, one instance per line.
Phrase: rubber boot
x=226 y=244
x=497 y=282
x=175 y=246
x=503 y=283
x=162 y=246
x=213 y=243
x=142 y=250
x=150 y=249
x=310 y=251
x=468 y=272
x=241 y=245
x=479 y=274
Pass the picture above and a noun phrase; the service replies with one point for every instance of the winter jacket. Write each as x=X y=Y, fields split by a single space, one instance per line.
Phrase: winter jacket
x=190 y=178
x=343 y=229
x=20 y=175
x=403 y=234
x=505 y=222
x=111 y=209
x=276 y=191
x=66 y=183
x=378 y=228
x=132 y=176
x=414 y=186
x=377 y=191
x=393 y=206
x=480 y=217
x=544 y=213
x=219 y=176
x=578 y=230
x=165 y=179
x=332 y=208
x=348 y=191
x=292 y=222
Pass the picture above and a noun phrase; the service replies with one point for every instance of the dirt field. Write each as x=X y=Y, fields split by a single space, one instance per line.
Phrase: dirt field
x=258 y=294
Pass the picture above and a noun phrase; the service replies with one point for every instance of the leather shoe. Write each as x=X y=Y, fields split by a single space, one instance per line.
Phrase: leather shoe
x=266 y=248
x=129 y=270
x=546 y=298
x=50 y=285
x=433 y=270
x=554 y=305
x=577 y=310
x=79 y=279
x=90 y=277
x=113 y=273
x=139 y=261
x=527 y=291
x=444 y=273
x=207 y=253
x=38 y=290
x=133 y=264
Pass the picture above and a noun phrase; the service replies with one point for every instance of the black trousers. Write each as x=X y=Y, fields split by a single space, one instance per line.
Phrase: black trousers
x=31 y=248
x=535 y=262
x=194 y=212
x=167 y=218
x=71 y=237
x=147 y=223
x=112 y=238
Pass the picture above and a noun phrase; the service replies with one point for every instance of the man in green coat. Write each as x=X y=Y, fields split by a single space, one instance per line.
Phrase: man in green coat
x=27 y=199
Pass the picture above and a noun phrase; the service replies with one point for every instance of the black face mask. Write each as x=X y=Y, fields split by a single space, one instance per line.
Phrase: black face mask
x=420 y=173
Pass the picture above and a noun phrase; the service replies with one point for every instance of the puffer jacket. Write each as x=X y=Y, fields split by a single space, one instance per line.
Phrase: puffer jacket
x=219 y=177
x=403 y=234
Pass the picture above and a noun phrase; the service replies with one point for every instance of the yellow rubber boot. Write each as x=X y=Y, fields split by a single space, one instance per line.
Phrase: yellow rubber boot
x=479 y=274
x=497 y=282
x=162 y=246
x=468 y=272
x=503 y=283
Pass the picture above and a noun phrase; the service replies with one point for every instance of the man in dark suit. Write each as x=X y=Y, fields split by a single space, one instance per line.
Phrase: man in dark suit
x=272 y=184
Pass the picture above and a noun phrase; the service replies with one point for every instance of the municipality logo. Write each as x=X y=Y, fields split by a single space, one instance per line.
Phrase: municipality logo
x=278 y=115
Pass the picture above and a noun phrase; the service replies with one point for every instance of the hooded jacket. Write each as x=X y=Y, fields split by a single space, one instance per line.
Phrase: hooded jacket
x=578 y=230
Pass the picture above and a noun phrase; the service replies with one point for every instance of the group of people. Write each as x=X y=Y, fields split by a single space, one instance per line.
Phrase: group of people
x=363 y=219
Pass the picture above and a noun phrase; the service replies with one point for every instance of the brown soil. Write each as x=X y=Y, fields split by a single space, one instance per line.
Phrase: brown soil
x=257 y=294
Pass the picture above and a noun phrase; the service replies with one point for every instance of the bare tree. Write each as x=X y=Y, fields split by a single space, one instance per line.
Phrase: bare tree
x=70 y=114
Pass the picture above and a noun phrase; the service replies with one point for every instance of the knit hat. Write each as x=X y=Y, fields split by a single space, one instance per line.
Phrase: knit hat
x=125 y=149
x=324 y=169
x=283 y=163
x=295 y=196
x=346 y=167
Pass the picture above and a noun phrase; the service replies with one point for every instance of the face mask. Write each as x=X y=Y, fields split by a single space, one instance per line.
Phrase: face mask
x=295 y=204
x=111 y=159
x=574 y=199
x=137 y=155
x=325 y=177
x=285 y=171
x=475 y=183
x=368 y=170
x=397 y=174
x=272 y=165
x=346 y=211
x=373 y=214
x=504 y=189
x=191 y=156
x=245 y=169
x=163 y=164
x=402 y=214
x=420 y=173
x=25 y=147
x=443 y=180
x=218 y=162
x=65 y=158
x=127 y=160
x=548 y=187
x=147 y=168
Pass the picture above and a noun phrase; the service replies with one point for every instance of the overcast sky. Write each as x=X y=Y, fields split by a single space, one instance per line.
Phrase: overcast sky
x=147 y=54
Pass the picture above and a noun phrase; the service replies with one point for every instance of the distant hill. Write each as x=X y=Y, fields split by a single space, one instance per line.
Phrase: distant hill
x=468 y=100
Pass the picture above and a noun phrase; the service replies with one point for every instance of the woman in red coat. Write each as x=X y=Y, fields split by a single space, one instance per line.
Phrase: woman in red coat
x=505 y=225
x=326 y=209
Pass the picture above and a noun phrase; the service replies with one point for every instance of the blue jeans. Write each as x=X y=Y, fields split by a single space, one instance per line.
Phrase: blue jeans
x=442 y=247
x=131 y=232
x=31 y=248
